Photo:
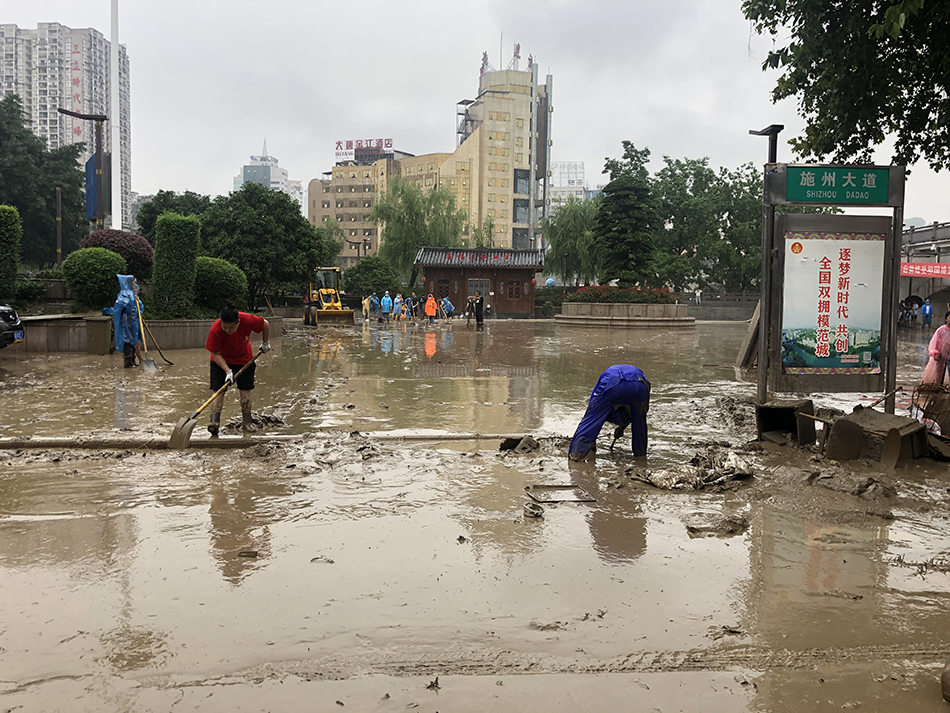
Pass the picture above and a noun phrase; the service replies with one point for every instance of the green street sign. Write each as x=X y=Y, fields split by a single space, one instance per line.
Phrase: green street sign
x=836 y=184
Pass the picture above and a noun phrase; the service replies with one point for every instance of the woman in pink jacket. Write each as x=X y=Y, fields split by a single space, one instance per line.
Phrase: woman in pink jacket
x=936 y=370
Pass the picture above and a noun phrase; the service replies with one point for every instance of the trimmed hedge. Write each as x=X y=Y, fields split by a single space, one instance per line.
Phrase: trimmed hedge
x=218 y=282
x=91 y=274
x=176 y=251
x=636 y=295
x=133 y=247
x=11 y=229
x=28 y=292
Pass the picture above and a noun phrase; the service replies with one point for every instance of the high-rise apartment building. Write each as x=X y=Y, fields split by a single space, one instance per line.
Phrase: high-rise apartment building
x=499 y=169
x=266 y=171
x=54 y=67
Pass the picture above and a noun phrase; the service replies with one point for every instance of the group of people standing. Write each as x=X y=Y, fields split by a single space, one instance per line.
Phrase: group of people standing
x=908 y=310
x=390 y=309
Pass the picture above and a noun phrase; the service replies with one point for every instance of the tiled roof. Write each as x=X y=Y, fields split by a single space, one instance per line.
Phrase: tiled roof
x=480 y=257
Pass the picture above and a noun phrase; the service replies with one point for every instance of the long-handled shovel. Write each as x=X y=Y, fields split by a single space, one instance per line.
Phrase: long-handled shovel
x=149 y=330
x=181 y=434
x=147 y=363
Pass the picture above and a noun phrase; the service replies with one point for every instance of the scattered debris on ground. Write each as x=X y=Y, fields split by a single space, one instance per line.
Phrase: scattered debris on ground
x=715 y=525
x=714 y=468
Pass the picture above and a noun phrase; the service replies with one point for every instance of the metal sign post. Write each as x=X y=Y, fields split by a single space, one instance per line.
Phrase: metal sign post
x=829 y=282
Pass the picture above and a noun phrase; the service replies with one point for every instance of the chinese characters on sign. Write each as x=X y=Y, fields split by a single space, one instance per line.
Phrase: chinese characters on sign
x=346 y=150
x=925 y=269
x=831 y=320
x=76 y=88
x=836 y=184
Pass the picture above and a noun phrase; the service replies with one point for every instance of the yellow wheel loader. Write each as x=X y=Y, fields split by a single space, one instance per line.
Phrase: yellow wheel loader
x=323 y=299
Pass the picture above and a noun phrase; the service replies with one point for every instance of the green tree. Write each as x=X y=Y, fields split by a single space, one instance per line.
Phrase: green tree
x=737 y=257
x=691 y=207
x=410 y=218
x=28 y=172
x=262 y=232
x=627 y=220
x=371 y=274
x=484 y=235
x=218 y=282
x=176 y=250
x=333 y=235
x=91 y=275
x=11 y=229
x=187 y=203
x=569 y=234
x=862 y=70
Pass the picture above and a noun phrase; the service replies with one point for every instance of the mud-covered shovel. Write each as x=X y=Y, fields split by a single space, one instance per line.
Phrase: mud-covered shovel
x=147 y=363
x=181 y=434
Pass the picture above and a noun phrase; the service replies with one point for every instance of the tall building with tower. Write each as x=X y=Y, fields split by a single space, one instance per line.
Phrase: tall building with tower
x=499 y=168
x=55 y=67
x=266 y=171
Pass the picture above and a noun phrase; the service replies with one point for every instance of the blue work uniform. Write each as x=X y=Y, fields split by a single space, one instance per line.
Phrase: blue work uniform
x=622 y=397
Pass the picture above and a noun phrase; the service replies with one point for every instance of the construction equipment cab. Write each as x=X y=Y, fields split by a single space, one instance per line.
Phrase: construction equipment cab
x=322 y=303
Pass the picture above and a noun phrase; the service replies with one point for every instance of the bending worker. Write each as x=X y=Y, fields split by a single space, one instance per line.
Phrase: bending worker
x=622 y=397
x=229 y=341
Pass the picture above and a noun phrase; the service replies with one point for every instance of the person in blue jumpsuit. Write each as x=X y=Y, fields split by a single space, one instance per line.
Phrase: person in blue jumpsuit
x=126 y=319
x=386 y=305
x=926 y=314
x=622 y=397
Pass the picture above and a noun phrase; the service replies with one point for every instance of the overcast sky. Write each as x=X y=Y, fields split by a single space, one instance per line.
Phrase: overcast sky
x=211 y=79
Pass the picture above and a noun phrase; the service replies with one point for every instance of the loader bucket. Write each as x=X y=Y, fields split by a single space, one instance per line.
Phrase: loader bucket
x=333 y=317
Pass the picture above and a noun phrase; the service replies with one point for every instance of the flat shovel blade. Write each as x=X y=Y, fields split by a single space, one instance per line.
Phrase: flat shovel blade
x=181 y=434
x=149 y=366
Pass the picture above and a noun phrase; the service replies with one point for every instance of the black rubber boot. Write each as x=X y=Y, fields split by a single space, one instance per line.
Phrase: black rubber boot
x=128 y=351
x=215 y=425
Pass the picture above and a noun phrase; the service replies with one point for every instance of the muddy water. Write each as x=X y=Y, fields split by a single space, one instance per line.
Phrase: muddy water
x=348 y=568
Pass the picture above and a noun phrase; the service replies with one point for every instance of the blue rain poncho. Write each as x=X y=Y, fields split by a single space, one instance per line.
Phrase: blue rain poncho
x=447 y=306
x=386 y=303
x=373 y=303
x=123 y=313
x=622 y=397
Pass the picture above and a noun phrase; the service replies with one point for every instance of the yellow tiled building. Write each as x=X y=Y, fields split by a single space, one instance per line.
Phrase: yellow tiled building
x=499 y=169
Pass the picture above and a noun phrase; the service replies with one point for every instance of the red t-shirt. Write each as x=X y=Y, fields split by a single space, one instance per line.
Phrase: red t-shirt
x=235 y=348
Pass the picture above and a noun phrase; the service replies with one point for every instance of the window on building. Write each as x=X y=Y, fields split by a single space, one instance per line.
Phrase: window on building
x=352 y=189
x=367 y=231
x=367 y=204
x=507 y=117
x=352 y=174
x=430 y=167
x=506 y=152
x=491 y=212
x=326 y=189
x=352 y=204
x=519 y=123
x=519 y=158
x=503 y=213
x=491 y=166
x=339 y=217
x=505 y=167
x=491 y=151
x=339 y=204
x=519 y=141
x=353 y=218
x=326 y=204
x=491 y=197
x=514 y=291
x=353 y=232
x=491 y=181
x=504 y=182
x=502 y=198
x=368 y=189
x=339 y=189
x=365 y=174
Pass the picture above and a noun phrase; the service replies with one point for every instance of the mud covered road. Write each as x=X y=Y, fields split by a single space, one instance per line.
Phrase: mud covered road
x=356 y=571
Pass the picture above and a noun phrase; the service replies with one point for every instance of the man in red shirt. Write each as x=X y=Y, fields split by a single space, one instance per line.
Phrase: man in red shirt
x=229 y=341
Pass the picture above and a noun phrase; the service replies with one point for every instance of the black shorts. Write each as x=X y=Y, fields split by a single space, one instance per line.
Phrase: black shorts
x=245 y=382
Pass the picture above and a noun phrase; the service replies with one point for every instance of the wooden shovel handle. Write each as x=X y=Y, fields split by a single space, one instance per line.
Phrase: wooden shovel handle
x=224 y=388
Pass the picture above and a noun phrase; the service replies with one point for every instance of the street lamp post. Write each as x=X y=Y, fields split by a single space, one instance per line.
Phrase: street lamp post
x=765 y=306
x=98 y=118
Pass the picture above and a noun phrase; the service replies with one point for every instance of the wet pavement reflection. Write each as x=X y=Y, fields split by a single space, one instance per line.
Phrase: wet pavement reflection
x=340 y=553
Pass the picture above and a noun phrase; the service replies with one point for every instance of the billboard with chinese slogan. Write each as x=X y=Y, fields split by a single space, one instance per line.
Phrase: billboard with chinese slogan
x=831 y=319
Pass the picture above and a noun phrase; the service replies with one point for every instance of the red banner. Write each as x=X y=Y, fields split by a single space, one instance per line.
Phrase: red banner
x=925 y=269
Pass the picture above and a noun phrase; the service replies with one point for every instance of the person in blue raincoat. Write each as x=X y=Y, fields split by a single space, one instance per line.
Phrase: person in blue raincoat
x=448 y=308
x=373 y=305
x=622 y=397
x=126 y=319
x=386 y=305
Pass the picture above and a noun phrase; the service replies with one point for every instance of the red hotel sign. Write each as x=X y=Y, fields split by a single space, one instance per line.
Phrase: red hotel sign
x=925 y=269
